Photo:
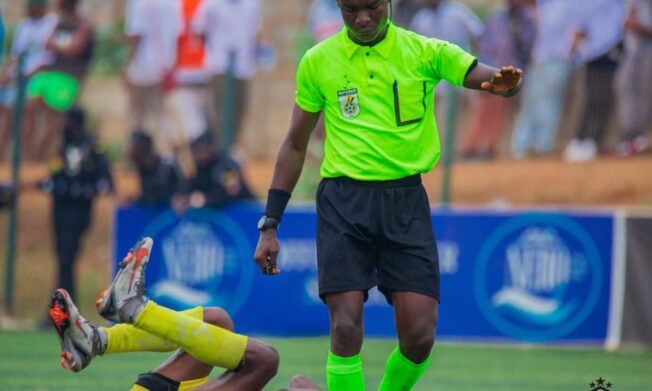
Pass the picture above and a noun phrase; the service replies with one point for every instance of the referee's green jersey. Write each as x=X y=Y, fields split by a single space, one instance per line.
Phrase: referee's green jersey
x=378 y=101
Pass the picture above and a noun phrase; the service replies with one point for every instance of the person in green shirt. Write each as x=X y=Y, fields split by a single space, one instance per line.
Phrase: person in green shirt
x=374 y=83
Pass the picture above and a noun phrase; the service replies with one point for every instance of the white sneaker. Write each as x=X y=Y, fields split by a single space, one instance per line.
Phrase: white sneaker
x=125 y=297
x=80 y=340
x=580 y=151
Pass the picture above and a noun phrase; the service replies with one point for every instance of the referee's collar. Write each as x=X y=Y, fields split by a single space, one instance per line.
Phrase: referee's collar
x=383 y=47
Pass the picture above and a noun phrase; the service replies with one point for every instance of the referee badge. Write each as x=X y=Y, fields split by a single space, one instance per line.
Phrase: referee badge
x=349 y=103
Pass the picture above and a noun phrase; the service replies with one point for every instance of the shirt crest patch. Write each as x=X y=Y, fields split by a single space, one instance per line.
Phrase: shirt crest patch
x=349 y=103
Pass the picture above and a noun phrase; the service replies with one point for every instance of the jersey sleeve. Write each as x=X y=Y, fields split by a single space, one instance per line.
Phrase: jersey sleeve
x=448 y=61
x=308 y=96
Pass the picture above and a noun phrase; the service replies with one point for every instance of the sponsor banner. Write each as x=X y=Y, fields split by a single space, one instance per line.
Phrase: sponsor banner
x=534 y=277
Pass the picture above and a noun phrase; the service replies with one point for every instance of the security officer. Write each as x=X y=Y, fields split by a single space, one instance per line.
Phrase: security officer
x=219 y=179
x=162 y=182
x=7 y=195
x=374 y=83
x=79 y=173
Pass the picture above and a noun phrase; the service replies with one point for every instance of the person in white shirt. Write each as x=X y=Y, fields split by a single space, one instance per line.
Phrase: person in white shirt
x=192 y=97
x=30 y=37
x=152 y=28
x=231 y=29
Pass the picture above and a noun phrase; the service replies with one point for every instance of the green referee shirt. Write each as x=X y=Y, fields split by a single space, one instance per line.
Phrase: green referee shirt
x=378 y=101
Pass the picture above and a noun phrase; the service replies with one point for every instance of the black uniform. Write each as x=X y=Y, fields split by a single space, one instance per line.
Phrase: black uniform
x=78 y=174
x=7 y=195
x=221 y=181
x=161 y=182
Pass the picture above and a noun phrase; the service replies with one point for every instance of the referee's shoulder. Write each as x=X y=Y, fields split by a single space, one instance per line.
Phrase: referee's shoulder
x=410 y=40
x=326 y=46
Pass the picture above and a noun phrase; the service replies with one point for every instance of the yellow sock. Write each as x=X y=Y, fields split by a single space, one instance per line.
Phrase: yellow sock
x=207 y=343
x=123 y=338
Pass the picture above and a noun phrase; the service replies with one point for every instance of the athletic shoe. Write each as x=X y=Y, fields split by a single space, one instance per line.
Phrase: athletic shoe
x=80 y=340
x=125 y=297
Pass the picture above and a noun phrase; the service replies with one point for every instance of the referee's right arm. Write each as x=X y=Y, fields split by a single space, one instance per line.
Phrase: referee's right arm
x=292 y=153
x=289 y=163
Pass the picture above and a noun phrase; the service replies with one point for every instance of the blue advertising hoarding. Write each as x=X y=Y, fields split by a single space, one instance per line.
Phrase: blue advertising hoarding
x=522 y=276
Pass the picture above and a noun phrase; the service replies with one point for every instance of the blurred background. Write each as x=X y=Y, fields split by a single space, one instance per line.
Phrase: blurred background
x=120 y=118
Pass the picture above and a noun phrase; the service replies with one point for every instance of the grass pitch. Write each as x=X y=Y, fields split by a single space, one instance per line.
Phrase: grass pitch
x=29 y=361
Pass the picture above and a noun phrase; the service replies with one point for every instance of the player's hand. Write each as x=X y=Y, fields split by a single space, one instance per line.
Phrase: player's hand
x=503 y=82
x=267 y=251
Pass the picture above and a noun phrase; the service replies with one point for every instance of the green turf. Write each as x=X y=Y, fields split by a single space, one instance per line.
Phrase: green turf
x=29 y=361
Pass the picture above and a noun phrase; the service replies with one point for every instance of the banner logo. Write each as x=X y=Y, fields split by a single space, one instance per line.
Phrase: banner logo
x=349 y=103
x=538 y=277
x=206 y=260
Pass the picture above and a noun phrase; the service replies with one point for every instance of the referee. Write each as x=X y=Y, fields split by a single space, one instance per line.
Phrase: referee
x=374 y=83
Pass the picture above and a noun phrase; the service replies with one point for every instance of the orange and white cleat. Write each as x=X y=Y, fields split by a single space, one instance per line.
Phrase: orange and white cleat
x=80 y=340
x=125 y=297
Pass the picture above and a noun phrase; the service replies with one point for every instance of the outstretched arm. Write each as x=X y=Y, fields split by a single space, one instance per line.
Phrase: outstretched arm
x=289 y=163
x=505 y=81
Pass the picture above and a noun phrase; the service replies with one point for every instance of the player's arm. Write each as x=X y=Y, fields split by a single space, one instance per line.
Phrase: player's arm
x=289 y=163
x=505 y=81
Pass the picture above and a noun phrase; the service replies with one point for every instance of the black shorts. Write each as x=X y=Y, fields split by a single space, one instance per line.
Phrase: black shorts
x=375 y=233
x=156 y=382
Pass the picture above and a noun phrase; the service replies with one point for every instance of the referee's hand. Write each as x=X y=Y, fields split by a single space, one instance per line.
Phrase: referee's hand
x=506 y=80
x=267 y=251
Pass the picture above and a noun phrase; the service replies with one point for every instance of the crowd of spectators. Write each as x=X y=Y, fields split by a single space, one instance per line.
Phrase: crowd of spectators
x=599 y=40
x=200 y=55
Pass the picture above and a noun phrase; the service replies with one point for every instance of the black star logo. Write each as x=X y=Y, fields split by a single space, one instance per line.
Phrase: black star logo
x=608 y=384
x=592 y=385
x=600 y=381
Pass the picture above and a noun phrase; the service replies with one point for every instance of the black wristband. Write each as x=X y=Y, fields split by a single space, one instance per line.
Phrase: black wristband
x=277 y=201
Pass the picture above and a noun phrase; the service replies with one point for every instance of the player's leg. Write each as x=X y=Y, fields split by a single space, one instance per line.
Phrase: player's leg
x=408 y=270
x=81 y=340
x=125 y=301
x=416 y=319
x=344 y=363
x=301 y=383
x=259 y=365
x=346 y=262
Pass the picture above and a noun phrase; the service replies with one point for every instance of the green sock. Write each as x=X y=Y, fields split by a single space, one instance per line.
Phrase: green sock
x=401 y=374
x=344 y=373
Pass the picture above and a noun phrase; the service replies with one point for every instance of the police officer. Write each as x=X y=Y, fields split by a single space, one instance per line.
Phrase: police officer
x=79 y=173
x=374 y=83
x=7 y=195
x=162 y=182
x=218 y=179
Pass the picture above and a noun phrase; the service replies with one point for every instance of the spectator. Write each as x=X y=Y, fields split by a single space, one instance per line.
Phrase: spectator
x=545 y=88
x=30 y=38
x=79 y=173
x=152 y=28
x=598 y=45
x=324 y=19
x=448 y=21
x=231 y=29
x=192 y=93
x=7 y=195
x=219 y=179
x=404 y=10
x=453 y=22
x=56 y=88
x=161 y=181
x=507 y=39
x=634 y=79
